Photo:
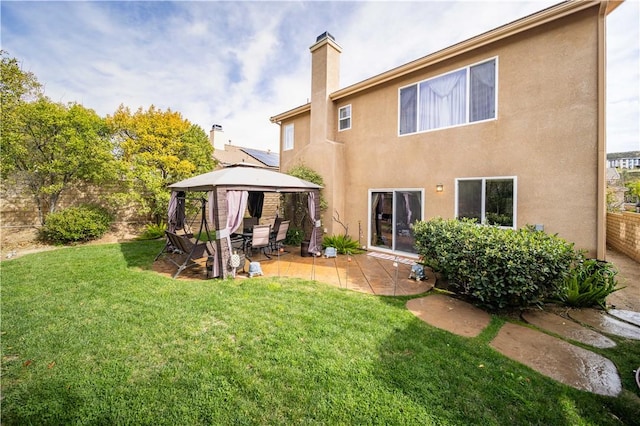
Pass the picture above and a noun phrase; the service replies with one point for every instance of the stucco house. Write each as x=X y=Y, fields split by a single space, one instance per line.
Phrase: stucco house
x=507 y=127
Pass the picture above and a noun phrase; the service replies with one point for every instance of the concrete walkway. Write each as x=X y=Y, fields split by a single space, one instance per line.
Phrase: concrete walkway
x=537 y=345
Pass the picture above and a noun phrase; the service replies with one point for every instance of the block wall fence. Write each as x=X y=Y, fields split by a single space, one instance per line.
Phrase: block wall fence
x=623 y=233
x=18 y=210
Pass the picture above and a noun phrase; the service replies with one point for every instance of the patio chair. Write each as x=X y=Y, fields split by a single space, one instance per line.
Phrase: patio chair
x=189 y=249
x=248 y=223
x=259 y=240
x=276 y=225
x=280 y=235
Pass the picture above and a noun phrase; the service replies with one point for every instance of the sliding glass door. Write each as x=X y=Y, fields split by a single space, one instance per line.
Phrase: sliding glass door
x=392 y=212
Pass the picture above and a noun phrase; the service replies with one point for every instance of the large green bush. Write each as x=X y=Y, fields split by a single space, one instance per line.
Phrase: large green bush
x=498 y=268
x=76 y=224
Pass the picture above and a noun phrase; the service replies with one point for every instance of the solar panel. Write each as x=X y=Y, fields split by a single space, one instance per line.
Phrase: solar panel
x=271 y=159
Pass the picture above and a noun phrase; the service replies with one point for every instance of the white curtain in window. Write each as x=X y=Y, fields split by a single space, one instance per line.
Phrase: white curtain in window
x=483 y=90
x=288 y=137
x=443 y=101
x=407 y=206
x=408 y=106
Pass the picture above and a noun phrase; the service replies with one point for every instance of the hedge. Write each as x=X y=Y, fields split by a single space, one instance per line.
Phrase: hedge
x=497 y=268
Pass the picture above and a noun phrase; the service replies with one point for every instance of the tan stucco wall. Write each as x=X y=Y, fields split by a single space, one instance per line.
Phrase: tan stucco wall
x=546 y=135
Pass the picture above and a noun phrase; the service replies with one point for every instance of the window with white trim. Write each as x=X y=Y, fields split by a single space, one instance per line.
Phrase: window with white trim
x=459 y=97
x=287 y=143
x=491 y=201
x=344 y=118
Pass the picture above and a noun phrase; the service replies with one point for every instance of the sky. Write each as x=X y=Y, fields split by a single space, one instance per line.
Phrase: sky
x=236 y=64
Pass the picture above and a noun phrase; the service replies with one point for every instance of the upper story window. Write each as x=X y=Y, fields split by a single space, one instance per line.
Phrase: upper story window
x=459 y=97
x=344 y=118
x=287 y=143
x=491 y=201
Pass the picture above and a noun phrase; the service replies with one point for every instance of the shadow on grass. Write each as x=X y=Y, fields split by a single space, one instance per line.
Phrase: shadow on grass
x=141 y=254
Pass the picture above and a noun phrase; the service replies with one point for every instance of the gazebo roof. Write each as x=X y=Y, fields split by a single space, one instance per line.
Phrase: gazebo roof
x=243 y=177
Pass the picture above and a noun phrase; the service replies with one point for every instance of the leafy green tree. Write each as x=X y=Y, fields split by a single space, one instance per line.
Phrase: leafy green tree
x=17 y=88
x=634 y=189
x=157 y=148
x=57 y=146
x=51 y=146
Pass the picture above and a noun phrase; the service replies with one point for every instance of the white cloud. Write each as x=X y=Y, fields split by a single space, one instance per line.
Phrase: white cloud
x=238 y=63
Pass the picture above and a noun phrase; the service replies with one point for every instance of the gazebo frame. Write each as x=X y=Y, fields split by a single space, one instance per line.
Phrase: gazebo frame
x=227 y=189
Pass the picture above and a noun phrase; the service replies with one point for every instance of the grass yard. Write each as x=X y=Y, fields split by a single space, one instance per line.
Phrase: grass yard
x=91 y=336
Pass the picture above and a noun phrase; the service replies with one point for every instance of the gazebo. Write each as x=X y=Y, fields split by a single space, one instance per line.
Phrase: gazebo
x=228 y=192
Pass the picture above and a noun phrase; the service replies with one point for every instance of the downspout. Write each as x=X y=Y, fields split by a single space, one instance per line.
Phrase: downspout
x=601 y=215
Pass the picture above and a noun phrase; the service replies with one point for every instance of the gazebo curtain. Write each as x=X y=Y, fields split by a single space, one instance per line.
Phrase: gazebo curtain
x=176 y=212
x=311 y=201
x=255 y=203
x=236 y=205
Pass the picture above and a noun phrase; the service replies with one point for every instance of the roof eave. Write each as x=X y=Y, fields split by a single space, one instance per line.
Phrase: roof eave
x=537 y=19
x=291 y=113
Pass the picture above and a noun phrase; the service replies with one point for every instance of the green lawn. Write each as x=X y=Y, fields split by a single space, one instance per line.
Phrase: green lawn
x=91 y=336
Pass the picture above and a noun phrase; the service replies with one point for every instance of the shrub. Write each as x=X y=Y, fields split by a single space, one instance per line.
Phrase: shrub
x=589 y=284
x=497 y=268
x=294 y=237
x=76 y=224
x=342 y=243
x=153 y=231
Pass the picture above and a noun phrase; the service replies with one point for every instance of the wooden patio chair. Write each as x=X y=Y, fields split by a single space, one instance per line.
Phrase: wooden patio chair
x=190 y=249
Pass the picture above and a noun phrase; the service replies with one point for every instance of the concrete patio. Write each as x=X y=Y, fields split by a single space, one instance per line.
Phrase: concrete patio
x=373 y=273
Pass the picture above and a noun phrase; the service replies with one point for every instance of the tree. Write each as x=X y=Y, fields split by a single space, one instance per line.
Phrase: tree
x=158 y=148
x=17 y=87
x=53 y=146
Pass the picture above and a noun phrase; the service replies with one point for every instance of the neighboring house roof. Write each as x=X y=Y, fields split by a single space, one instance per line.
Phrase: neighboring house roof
x=545 y=16
x=270 y=159
x=232 y=154
x=619 y=155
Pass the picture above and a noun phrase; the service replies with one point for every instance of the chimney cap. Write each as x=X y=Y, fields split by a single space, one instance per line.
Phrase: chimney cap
x=324 y=35
x=216 y=127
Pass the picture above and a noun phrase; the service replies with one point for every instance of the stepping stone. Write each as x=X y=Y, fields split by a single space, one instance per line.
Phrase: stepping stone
x=628 y=316
x=606 y=323
x=559 y=360
x=450 y=314
x=567 y=328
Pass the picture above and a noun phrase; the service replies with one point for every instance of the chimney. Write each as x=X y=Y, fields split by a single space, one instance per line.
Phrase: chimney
x=325 y=79
x=216 y=137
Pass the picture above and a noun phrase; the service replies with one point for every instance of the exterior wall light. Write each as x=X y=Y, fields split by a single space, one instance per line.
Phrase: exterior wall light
x=439 y=187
